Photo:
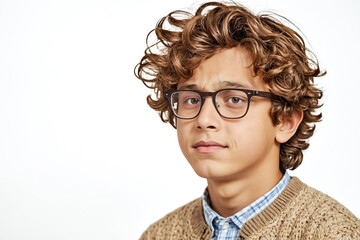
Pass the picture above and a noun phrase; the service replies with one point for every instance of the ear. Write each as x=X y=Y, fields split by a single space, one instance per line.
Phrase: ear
x=287 y=128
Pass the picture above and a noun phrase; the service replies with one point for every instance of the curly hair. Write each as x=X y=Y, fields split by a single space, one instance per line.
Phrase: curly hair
x=279 y=56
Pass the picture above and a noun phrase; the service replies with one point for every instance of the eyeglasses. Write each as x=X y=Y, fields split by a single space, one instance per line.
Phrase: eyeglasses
x=230 y=103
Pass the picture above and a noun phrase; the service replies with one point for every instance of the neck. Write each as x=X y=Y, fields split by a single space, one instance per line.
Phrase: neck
x=232 y=195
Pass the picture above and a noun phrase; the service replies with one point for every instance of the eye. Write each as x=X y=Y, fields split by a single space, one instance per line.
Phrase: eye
x=232 y=98
x=188 y=99
x=235 y=100
x=192 y=101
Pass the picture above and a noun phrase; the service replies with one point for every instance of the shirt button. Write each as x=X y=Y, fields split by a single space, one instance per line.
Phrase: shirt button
x=226 y=224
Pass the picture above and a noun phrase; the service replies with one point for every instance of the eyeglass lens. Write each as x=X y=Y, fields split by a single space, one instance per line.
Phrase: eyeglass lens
x=229 y=103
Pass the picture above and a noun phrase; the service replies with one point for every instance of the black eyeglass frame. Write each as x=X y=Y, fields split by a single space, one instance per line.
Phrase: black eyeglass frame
x=203 y=95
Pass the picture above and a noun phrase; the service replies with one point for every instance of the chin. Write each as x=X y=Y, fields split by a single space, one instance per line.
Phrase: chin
x=213 y=170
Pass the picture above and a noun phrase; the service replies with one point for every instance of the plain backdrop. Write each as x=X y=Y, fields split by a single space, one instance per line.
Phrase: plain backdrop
x=82 y=156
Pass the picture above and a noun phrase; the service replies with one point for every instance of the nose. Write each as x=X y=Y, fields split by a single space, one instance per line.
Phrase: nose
x=208 y=117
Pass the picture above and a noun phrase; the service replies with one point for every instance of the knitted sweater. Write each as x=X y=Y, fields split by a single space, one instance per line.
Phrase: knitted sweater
x=300 y=212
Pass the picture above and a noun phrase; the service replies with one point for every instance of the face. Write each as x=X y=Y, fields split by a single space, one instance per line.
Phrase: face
x=219 y=148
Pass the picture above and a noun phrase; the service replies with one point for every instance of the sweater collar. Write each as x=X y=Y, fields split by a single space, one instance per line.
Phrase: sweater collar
x=238 y=219
x=199 y=226
x=270 y=213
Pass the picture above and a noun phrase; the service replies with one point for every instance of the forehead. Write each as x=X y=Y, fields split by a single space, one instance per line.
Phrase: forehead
x=228 y=68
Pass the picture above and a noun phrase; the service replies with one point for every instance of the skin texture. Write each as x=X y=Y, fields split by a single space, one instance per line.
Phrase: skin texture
x=244 y=164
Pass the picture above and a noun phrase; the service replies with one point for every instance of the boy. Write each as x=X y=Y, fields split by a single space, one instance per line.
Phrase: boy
x=239 y=90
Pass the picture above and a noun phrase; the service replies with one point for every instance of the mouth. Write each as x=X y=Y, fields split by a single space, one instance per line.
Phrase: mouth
x=208 y=147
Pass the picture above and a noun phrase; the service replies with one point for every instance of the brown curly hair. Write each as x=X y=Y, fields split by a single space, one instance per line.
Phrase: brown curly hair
x=184 y=40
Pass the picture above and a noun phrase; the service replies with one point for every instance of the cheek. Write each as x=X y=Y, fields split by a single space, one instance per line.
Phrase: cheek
x=183 y=134
x=252 y=137
x=243 y=139
x=249 y=144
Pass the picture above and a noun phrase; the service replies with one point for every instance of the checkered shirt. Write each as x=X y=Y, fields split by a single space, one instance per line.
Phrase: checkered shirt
x=229 y=228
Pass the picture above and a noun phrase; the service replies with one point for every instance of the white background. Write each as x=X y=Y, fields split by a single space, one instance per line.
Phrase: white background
x=81 y=154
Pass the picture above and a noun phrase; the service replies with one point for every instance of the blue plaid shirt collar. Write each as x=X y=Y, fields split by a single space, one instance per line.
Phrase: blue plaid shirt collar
x=231 y=226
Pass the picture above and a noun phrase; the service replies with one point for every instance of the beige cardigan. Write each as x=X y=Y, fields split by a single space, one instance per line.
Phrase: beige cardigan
x=300 y=212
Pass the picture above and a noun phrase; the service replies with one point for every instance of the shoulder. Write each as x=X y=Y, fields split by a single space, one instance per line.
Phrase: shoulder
x=320 y=203
x=176 y=223
x=328 y=218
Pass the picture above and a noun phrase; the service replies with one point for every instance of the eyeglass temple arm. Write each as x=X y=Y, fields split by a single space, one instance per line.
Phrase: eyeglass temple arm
x=269 y=95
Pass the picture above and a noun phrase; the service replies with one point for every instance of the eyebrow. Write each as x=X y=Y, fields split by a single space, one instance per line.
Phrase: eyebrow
x=189 y=87
x=222 y=84
x=234 y=84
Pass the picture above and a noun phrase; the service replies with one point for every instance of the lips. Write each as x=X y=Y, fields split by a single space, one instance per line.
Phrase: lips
x=208 y=147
